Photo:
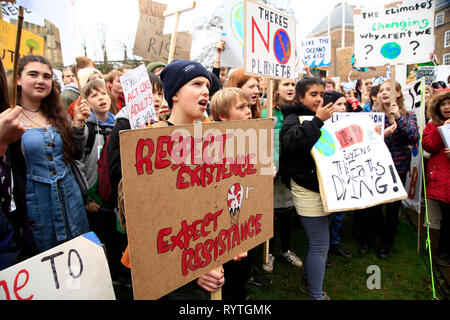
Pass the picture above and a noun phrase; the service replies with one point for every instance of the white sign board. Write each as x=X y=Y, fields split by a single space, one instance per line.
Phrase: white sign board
x=316 y=52
x=233 y=34
x=269 y=42
x=354 y=166
x=138 y=94
x=414 y=100
x=400 y=32
x=74 y=270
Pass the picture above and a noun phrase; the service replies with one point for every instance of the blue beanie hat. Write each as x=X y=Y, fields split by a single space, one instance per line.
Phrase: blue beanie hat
x=179 y=72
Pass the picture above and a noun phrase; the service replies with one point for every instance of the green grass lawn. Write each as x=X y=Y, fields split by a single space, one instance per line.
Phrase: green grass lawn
x=404 y=275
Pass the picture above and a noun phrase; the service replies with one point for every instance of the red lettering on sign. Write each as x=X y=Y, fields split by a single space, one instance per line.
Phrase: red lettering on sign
x=350 y=136
x=142 y=159
x=17 y=288
x=266 y=43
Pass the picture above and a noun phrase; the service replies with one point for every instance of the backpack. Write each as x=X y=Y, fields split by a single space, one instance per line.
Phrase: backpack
x=104 y=182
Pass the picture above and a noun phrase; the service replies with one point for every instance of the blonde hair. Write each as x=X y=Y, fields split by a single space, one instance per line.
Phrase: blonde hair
x=223 y=100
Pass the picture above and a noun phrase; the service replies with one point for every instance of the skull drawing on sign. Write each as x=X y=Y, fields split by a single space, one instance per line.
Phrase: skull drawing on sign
x=234 y=201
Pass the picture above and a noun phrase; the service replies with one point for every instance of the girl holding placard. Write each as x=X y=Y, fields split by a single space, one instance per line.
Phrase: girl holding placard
x=400 y=135
x=300 y=131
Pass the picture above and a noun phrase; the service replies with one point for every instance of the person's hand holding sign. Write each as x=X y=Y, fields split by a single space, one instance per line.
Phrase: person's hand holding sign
x=212 y=281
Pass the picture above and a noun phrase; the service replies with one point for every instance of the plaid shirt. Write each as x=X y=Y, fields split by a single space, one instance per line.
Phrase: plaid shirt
x=405 y=136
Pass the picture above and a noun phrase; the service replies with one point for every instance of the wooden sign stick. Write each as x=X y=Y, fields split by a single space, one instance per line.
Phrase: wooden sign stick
x=17 y=56
x=270 y=85
x=173 y=40
x=393 y=92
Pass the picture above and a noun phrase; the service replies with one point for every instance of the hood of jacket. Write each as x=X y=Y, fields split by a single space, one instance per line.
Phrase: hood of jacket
x=433 y=109
x=110 y=122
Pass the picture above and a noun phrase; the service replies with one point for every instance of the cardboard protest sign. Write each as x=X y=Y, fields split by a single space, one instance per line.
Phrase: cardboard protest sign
x=74 y=270
x=426 y=72
x=195 y=197
x=345 y=69
x=316 y=52
x=152 y=8
x=354 y=166
x=269 y=46
x=30 y=43
x=233 y=33
x=151 y=45
x=377 y=118
x=414 y=101
x=400 y=32
x=138 y=94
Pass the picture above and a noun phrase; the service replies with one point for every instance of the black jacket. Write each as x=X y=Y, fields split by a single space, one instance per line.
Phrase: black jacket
x=297 y=140
x=114 y=164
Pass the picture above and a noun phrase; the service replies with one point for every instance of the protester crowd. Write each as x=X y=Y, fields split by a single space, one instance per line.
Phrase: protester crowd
x=61 y=171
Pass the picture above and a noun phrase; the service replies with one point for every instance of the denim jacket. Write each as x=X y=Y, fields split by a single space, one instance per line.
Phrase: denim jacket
x=54 y=202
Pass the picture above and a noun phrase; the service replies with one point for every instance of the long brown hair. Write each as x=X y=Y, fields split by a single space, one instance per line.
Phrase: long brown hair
x=51 y=107
x=399 y=101
x=237 y=79
x=4 y=94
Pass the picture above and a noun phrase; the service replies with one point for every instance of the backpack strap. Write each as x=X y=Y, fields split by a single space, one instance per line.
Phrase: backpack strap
x=91 y=138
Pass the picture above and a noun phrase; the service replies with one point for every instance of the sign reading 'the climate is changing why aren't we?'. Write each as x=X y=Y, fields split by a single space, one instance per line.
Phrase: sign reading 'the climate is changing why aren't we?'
x=400 y=32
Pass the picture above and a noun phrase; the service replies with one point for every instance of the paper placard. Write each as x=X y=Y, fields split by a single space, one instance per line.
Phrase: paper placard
x=354 y=166
x=316 y=52
x=28 y=43
x=137 y=90
x=74 y=270
x=195 y=197
x=414 y=100
x=151 y=45
x=233 y=34
x=400 y=32
x=269 y=46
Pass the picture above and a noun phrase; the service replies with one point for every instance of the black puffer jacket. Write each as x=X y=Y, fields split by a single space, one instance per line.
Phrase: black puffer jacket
x=297 y=140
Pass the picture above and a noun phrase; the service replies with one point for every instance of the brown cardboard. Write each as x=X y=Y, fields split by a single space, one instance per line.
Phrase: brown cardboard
x=344 y=66
x=152 y=8
x=152 y=45
x=154 y=201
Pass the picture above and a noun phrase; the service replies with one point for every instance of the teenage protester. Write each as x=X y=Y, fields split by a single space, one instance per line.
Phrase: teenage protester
x=45 y=190
x=438 y=169
x=299 y=173
x=101 y=216
x=11 y=129
x=226 y=105
x=70 y=91
x=186 y=89
x=84 y=76
x=339 y=104
x=283 y=95
x=219 y=71
x=399 y=136
x=114 y=87
x=250 y=85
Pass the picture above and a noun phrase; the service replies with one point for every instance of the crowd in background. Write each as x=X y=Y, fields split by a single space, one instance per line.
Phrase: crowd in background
x=58 y=140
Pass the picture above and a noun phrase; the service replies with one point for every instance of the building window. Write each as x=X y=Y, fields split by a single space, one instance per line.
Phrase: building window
x=447 y=39
x=446 y=59
x=439 y=19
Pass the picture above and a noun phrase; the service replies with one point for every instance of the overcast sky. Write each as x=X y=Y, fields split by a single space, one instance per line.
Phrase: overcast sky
x=120 y=19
